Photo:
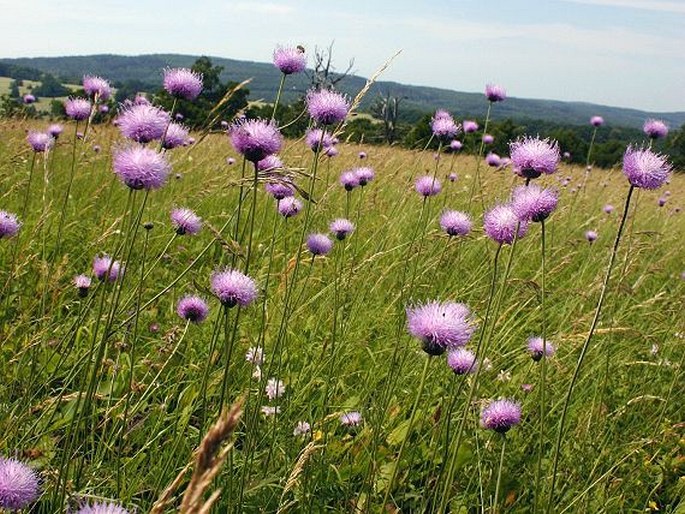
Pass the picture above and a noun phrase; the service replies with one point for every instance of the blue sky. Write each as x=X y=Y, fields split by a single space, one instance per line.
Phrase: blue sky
x=617 y=52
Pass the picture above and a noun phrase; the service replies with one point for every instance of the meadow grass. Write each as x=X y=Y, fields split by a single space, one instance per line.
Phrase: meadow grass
x=622 y=449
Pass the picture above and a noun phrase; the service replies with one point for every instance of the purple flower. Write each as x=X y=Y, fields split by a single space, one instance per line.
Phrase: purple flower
x=319 y=244
x=495 y=93
x=500 y=224
x=279 y=187
x=364 y=175
x=96 y=87
x=597 y=121
x=455 y=223
x=185 y=221
x=351 y=419
x=492 y=159
x=143 y=123
x=349 y=180
x=538 y=347
x=178 y=116
x=19 y=485
x=644 y=168
x=40 y=141
x=270 y=162
x=327 y=107
x=9 y=225
x=440 y=325
x=462 y=361
x=443 y=126
x=105 y=268
x=77 y=108
x=101 y=508
x=182 y=83
x=452 y=177
x=103 y=109
x=289 y=207
x=274 y=388
x=230 y=161
x=470 y=126
x=427 y=186
x=534 y=156
x=302 y=429
x=290 y=60
x=193 y=309
x=233 y=288
x=566 y=156
x=500 y=415
x=28 y=99
x=176 y=135
x=442 y=114
x=608 y=208
x=331 y=151
x=342 y=228
x=55 y=130
x=533 y=203
x=255 y=139
x=318 y=139
x=488 y=139
x=662 y=201
x=141 y=168
x=591 y=236
x=455 y=145
x=655 y=129
x=362 y=155
x=82 y=283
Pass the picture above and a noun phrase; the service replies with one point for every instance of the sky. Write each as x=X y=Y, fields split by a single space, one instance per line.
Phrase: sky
x=626 y=53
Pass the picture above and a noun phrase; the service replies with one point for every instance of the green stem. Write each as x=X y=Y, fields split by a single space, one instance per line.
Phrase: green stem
x=499 y=472
x=278 y=96
x=66 y=194
x=543 y=375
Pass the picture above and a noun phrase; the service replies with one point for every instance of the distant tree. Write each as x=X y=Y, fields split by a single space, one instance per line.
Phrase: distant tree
x=323 y=75
x=387 y=109
x=676 y=148
x=50 y=87
x=14 y=89
x=9 y=106
x=130 y=88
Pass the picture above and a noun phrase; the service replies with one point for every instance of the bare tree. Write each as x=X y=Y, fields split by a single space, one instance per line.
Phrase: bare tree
x=387 y=109
x=324 y=75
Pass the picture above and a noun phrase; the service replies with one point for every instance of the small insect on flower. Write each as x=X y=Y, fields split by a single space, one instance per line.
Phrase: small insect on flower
x=274 y=388
x=19 y=485
x=597 y=121
x=341 y=228
x=141 y=168
x=539 y=348
x=105 y=268
x=427 y=186
x=495 y=93
x=289 y=207
x=319 y=244
x=182 y=83
x=455 y=223
x=193 y=309
x=302 y=429
x=351 y=419
x=82 y=283
x=9 y=225
x=255 y=139
x=500 y=224
x=77 y=108
x=501 y=415
x=591 y=236
x=440 y=325
x=233 y=288
x=655 y=129
x=40 y=141
x=101 y=508
x=185 y=221
x=327 y=107
x=533 y=156
x=290 y=60
x=533 y=203
x=97 y=87
x=644 y=168
x=462 y=361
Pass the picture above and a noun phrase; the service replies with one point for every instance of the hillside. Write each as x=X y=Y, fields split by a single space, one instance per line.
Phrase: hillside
x=147 y=69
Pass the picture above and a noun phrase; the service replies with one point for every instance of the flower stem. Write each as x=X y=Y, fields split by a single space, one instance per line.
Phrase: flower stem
x=499 y=472
x=278 y=96
x=543 y=374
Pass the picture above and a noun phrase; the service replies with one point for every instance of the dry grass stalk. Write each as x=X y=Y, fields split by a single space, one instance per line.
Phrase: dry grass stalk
x=294 y=478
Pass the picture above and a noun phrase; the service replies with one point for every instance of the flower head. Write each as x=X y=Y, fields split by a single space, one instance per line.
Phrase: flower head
x=101 y=508
x=455 y=145
x=269 y=411
x=255 y=355
x=40 y=141
x=327 y=107
x=176 y=135
x=279 y=187
x=351 y=419
x=318 y=139
x=444 y=126
x=495 y=93
x=362 y=155
x=538 y=347
x=462 y=361
x=427 y=186
x=597 y=121
x=290 y=60
x=500 y=415
x=255 y=139
x=655 y=129
x=533 y=203
x=77 y=108
x=492 y=159
x=192 y=308
x=105 y=268
x=341 y=227
x=331 y=152
x=82 y=283
x=440 y=325
x=233 y=288
x=28 y=98
x=364 y=175
x=182 y=83
x=644 y=168
x=141 y=168
x=349 y=180
x=534 y=156
x=96 y=87
x=608 y=208
x=319 y=244
x=185 y=221
x=269 y=163
x=470 y=126
x=302 y=429
x=289 y=207
x=500 y=224
x=19 y=485
x=455 y=223
x=488 y=139
x=591 y=236
x=143 y=122
x=274 y=388
x=55 y=130
x=9 y=224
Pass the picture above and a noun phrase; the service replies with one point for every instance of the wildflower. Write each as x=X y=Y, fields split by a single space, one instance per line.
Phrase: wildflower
x=269 y=411
x=364 y=175
x=302 y=429
x=534 y=156
x=105 y=268
x=40 y=141
x=55 y=130
x=501 y=222
x=440 y=325
x=185 y=221
x=255 y=139
x=290 y=60
x=318 y=139
x=82 y=283
x=182 y=83
x=591 y=236
x=538 y=348
x=28 y=98
x=349 y=180
x=279 y=187
x=176 y=135
x=230 y=161
x=608 y=208
x=289 y=207
x=504 y=376
x=269 y=163
x=192 y=308
x=102 y=508
x=501 y=415
x=533 y=203
x=455 y=145
x=362 y=155
x=427 y=186
x=19 y=485
x=96 y=87
x=488 y=139
x=470 y=126
x=274 y=388
x=492 y=159
x=597 y=121
x=455 y=223
x=143 y=123
x=233 y=288
x=644 y=168
x=350 y=419
x=495 y=93
x=452 y=177
x=319 y=244
x=662 y=201
x=255 y=355
x=327 y=107
x=526 y=388
x=444 y=126
x=462 y=361
x=77 y=108
x=341 y=228
x=655 y=129
x=141 y=168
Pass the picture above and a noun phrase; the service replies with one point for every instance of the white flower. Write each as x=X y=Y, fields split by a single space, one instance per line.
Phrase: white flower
x=270 y=411
x=302 y=428
x=274 y=388
x=255 y=355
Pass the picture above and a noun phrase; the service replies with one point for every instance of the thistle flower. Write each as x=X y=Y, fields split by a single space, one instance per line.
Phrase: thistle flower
x=255 y=355
x=233 y=288
x=141 y=168
x=331 y=152
x=364 y=175
x=290 y=60
x=9 y=225
x=470 y=126
x=349 y=180
x=500 y=224
x=318 y=139
x=319 y=244
x=427 y=186
x=608 y=208
x=492 y=159
x=289 y=207
x=591 y=236
x=455 y=145
x=662 y=201
x=440 y=325
x=488 y=139
x=182 y=83
x=97 y=148
x=644 y=168
x=327 y=107
x=143 y=123
x=103 y=109
x=193 y=309
x=179 y=117
x=101 y=508
x=19 y=484
x=28 y=98
x=302 y=429
x=495 y=93
x=230 y=161
x=255 y=139
x=362 y=155
x=533 y=203
x=444 y=127
x=655 y=129
x=270 y=162
x=55 y=130
x=500 y=415
x=452 y=177
x=40 y=141
x=279 y=187
x=537 y=347
x=185 y=221
x=77 y=108
x=597 y=121
x=102 y=265
x=342 y=228
x=269 y=411
x=274 y=388
x=566 y=156
x=442 y=114
x=82 y=283
x=351 y=419
x=462 y=361
x=455 y=223
x=96 y=87
x=176 y=135
x=534 y=156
